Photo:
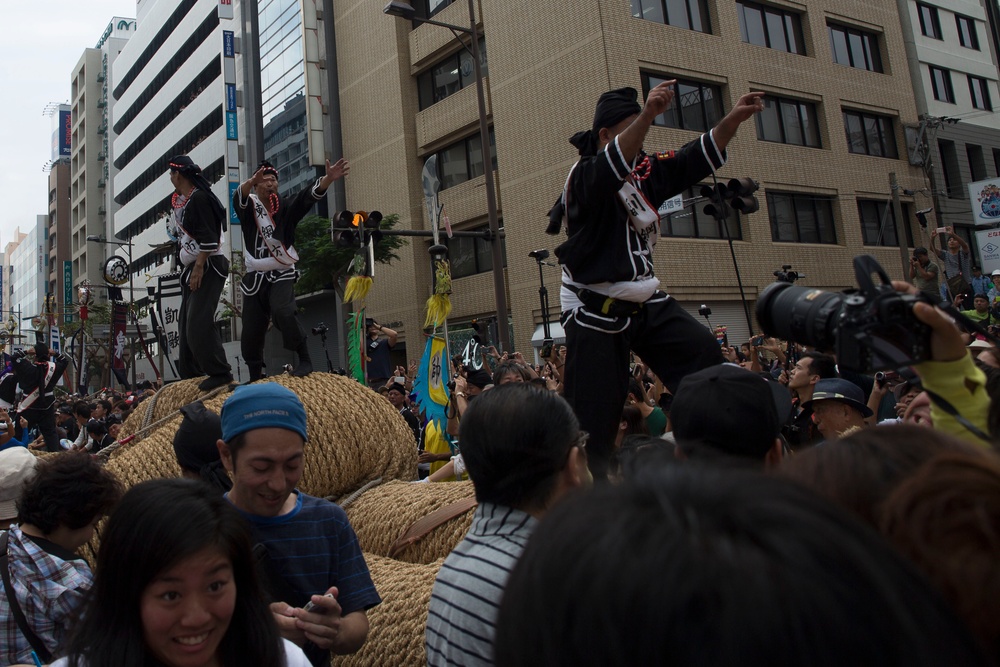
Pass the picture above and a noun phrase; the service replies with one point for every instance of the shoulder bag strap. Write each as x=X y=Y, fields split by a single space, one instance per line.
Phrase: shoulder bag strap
x=15 y=606
x=421 y=527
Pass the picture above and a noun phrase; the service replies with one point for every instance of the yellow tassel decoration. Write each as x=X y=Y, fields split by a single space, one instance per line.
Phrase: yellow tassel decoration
x=357 y=288
x=439 y=305
x=438 y=310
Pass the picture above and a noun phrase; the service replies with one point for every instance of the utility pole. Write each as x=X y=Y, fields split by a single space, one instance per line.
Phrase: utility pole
x=897 y=213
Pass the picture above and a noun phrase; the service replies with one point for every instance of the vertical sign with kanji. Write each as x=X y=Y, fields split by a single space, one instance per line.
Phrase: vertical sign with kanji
x=170 y=308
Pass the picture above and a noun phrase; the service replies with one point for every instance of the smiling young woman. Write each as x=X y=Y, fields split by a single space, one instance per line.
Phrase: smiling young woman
x=176 y=586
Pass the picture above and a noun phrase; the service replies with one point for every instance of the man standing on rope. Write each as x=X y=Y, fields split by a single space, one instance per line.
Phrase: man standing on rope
x=611 y=301
x=199 y=220
x=268 y=234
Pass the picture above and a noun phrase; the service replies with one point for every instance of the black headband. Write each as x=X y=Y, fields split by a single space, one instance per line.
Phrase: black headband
x=613 y=107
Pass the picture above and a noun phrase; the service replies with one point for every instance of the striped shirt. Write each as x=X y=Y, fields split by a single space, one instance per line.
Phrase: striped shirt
x=466 y=594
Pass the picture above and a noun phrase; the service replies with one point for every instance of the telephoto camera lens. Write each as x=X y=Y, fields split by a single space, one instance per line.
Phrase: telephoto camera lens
x=803 y=314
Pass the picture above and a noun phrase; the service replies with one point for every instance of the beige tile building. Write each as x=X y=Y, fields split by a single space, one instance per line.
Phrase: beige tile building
x=823 y=191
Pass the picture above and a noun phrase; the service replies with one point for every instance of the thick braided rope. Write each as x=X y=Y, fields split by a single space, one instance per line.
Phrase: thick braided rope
x=383 y=513
x=396 y=638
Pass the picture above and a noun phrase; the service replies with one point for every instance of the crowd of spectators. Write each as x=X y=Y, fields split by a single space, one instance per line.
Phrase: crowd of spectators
x=774 y=508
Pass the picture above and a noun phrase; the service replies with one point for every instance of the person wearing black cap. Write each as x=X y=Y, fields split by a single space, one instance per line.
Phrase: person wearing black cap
x=199 y=220
x=610 y=297
x=195 y=446
x=269 y=224
x=38 y=381
x=727 y=413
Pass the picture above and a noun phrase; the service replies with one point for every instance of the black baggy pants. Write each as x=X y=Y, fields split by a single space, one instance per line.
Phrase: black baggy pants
x=201 y=351
x=45 y=420
x=595 y=380
x=273 y=302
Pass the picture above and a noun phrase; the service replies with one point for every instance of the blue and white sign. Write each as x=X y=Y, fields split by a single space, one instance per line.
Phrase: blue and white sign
x=230 y=97
x=232 y=129
x=672 y=205
x=233 y=218
x=228 y=48
x=985 y=199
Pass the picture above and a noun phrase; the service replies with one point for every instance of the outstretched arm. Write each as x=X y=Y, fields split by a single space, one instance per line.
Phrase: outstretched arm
x=745 y=108
x=334 y=172
x=249 y=184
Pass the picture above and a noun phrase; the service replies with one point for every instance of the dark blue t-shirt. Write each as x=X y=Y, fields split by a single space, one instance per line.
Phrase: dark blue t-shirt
x=379 y=364
x=314 y=547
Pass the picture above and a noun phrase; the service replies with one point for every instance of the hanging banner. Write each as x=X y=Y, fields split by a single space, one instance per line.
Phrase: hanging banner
x=989 y=249
x=170 y=309
x=118 y=341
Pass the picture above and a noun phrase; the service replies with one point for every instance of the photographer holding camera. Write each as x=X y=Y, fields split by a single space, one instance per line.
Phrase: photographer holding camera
x=884 y=327
x=379 y=367
x=924 y=273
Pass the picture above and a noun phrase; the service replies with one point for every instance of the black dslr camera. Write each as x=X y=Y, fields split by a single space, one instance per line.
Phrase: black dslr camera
x=869 y=329
x=320 y=329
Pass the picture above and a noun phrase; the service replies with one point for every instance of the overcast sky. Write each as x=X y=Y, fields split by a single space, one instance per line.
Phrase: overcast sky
x=42 y=44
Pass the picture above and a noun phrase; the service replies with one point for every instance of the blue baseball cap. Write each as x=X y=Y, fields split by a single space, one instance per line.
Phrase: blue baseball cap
x=263 y=405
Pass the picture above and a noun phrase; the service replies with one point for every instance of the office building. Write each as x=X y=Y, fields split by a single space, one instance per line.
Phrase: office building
x=838 y=97
x=951 y=47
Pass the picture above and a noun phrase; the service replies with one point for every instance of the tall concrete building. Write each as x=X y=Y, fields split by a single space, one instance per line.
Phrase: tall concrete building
x=29 y=270
x=951 y=46
x=8 y=309
x=92 y=170
x=58 y=242
x=170 y=97
x=838 y=97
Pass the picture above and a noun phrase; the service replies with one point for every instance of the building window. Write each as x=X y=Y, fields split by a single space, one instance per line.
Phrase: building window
x=930 y=24
x=868 y=134
x=941 y=84
x=472 y=255
x=855 y=48
x=797 y=218
x=768 y=26
x=696 y=106
x=979 y=91
x=977 y=163
x=449 y=76
x=428 y=8
x=693 y=223
x=878 y=223
x=967 y=35
x=463 y=161
x=689 y=14
x=996 y=161
x=788 y=121
x=953 y=185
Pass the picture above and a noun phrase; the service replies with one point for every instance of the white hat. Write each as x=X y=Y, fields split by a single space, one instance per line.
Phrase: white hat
x=996 y=272
x=979 y=345
x=17 y=466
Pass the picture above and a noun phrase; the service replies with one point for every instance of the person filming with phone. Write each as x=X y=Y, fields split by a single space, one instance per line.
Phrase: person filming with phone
x=924 y=274
x=957 y=263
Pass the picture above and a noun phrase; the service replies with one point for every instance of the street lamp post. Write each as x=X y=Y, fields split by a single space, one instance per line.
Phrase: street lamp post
x=405 y=10
x=131 y=291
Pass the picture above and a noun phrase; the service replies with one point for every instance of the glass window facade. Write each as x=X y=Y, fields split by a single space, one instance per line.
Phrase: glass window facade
x=801 y=218
x=855 y=48
x=768 y=26
x=878 y=223
x=449 y=76
x=689 y=14
x=788 y=121
x=869 y=134
x=283 y=93
x=696 y=106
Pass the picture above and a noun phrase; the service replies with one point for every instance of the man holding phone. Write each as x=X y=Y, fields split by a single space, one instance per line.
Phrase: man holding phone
x=306 y=545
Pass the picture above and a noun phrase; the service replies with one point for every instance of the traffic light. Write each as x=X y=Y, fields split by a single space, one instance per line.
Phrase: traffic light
x=717 y=194
x=346 y=233
x=736 y=194
x=741 y=195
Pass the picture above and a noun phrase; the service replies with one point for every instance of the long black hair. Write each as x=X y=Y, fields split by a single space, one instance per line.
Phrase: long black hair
x=156 y=526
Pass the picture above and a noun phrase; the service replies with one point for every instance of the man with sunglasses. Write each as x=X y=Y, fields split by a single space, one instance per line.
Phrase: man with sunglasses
x=524 y=450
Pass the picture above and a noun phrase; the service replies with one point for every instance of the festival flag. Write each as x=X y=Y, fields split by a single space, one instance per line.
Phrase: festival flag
x=431 y=385
x=355 y=346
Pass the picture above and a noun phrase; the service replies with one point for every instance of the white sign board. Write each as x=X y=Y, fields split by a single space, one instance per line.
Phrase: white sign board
x=989 y=249
x=985 y=199
x=672 y=205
